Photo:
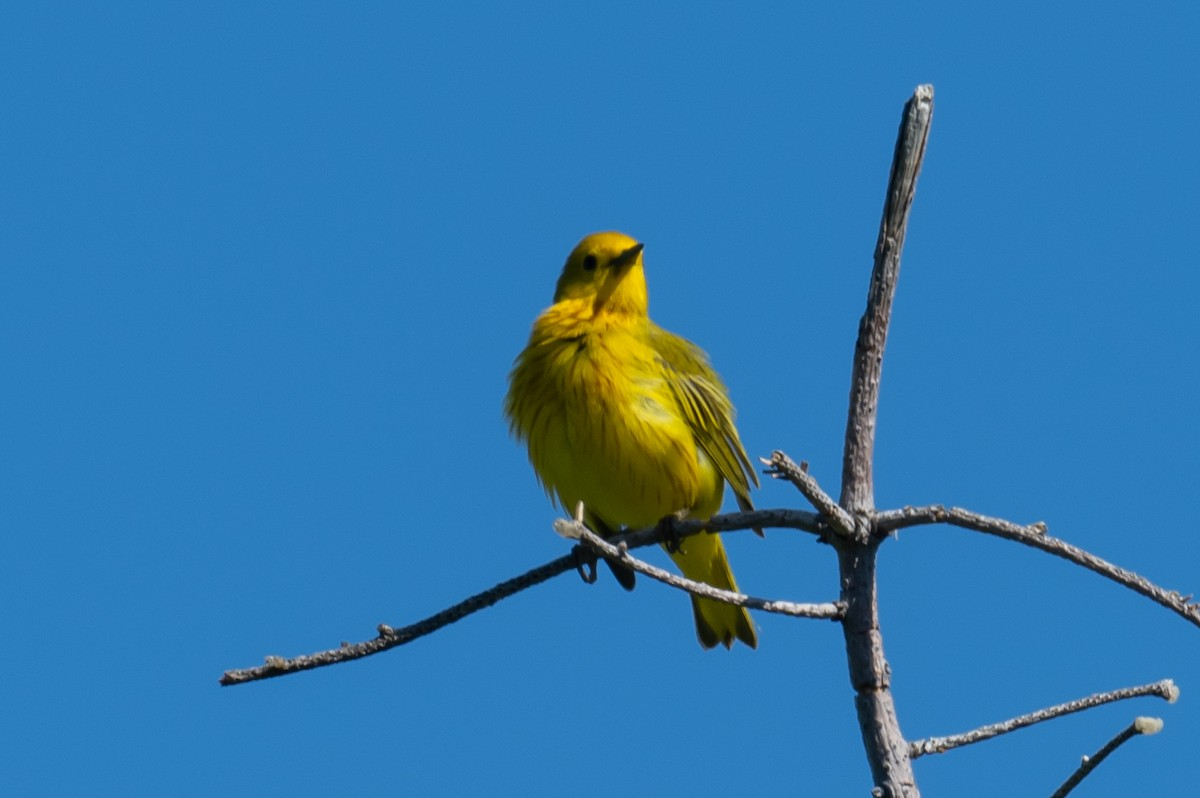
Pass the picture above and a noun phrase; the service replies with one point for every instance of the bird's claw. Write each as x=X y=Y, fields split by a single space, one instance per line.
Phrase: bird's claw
x=670 y=535
x=585 y=564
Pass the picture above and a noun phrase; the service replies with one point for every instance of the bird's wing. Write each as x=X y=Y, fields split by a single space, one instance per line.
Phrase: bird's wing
x=704 y=403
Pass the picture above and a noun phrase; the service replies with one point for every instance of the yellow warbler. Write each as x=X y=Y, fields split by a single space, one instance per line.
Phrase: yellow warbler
x=631 y=420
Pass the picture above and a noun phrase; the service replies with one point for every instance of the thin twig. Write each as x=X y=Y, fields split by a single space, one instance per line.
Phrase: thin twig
x=1165 y=689
x=391 y=638
x=783 y=467
x=577 y=531
x=857 y=481
x=1035 y=536
x=1089 y=763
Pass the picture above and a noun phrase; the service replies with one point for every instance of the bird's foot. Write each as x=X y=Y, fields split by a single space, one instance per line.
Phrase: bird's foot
x=585 y=564
x=670 y=535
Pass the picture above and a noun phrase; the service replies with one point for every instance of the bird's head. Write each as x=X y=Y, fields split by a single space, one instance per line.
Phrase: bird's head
x=605 y=269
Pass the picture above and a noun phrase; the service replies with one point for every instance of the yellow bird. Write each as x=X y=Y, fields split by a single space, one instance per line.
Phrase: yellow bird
x=630 y=419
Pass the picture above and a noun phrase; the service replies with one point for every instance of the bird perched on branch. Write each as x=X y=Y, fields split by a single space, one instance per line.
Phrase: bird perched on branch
x=631 y=420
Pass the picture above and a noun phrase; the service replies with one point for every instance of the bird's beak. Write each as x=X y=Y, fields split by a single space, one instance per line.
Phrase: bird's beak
x=628 y=257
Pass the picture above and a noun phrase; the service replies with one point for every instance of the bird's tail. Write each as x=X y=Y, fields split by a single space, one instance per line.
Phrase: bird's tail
x=702 y=559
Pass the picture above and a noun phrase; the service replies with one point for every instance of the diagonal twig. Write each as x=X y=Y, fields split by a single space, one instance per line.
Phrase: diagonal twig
x=1035 y=536
x=783 y=467
x=390 y=638
x=1165 y=689
x=1139 y=726
x=575 y=530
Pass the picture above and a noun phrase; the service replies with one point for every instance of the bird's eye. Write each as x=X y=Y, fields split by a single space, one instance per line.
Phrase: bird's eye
x=589 y=263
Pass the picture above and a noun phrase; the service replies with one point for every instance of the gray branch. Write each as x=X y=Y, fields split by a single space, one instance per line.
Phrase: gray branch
x=858 y=493
x=1165 y=689
x=1035 y=536
x=391 y=638
x=1139 y=726
x=576 y=530
x=870 y=676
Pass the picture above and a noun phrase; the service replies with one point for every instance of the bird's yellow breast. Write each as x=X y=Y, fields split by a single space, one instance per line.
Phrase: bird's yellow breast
x=590 y=398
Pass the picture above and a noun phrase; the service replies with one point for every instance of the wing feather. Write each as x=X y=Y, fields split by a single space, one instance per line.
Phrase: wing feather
x=704 y=403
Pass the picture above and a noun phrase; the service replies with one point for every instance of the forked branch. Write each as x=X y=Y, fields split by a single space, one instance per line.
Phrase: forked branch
x=858 y=531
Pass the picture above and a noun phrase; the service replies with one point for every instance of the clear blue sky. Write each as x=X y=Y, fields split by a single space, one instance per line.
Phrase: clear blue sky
x=266 y=269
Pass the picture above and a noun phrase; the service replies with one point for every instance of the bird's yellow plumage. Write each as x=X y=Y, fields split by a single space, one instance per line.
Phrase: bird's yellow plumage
x=629 y=419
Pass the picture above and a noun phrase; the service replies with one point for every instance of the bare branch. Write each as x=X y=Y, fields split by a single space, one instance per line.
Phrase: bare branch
x=886 y=749
x=577 y=531
x=782 y=467
x=857 y=480
x=391 y=638
x=1165 y=689
x=1139 y=726
x=1035 y=536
